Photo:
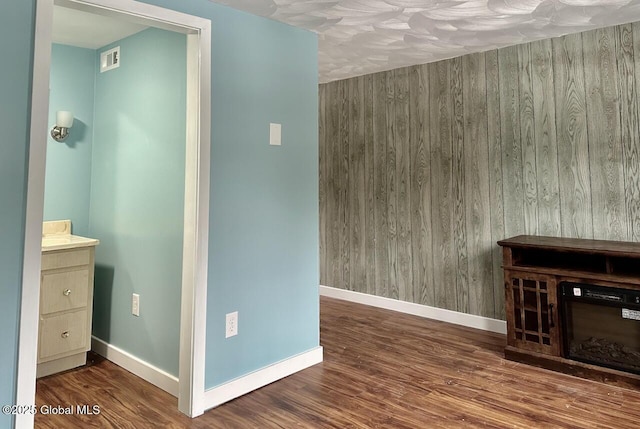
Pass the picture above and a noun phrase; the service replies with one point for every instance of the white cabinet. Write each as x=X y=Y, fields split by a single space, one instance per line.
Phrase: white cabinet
x=66 y=306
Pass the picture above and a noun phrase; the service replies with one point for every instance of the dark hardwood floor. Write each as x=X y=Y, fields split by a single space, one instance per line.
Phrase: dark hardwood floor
x=381 y=369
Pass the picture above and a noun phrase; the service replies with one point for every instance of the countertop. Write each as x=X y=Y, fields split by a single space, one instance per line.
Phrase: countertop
x=56 y=236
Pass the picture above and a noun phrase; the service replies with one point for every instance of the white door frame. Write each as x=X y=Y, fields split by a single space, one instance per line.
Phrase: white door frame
x=196 y=206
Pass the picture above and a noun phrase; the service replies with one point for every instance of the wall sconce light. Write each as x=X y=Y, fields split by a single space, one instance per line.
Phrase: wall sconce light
x=64 y=121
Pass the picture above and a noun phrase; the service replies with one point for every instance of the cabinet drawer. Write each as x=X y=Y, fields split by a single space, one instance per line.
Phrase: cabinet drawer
x=62 y=334
x=62 y=291
x=65 y=258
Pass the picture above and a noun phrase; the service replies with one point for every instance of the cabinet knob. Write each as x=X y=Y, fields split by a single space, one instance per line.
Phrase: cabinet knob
x=65 y=334
x=67 y=292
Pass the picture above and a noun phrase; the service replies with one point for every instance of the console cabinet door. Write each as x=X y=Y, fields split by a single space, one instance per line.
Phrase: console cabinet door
x=532 y=312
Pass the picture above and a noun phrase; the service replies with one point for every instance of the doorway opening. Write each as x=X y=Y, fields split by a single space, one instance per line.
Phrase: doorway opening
x=196 y=191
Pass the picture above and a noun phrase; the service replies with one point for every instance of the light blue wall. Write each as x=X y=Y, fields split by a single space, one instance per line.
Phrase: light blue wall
x=272 y=271
x=68 y=174
x=263 y=243
x=137 y=196
x=16 y=46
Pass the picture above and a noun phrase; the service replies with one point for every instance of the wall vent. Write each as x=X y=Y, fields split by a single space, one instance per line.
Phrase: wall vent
x=110 y=59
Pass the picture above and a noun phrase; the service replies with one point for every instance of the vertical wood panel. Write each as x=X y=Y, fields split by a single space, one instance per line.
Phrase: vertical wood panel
x=571 y=123
x=322 y=186
x=403 y=177
x=440 y=118
x=527 y=140
x=370 y=226
x=344 y=200
x=605 y=147
x=459 y=232
x=423 y=169
x=476 y=156
x=334 y=265
x=495 y=177
x=546 y=146
x=380 y=184
x=420 y=159
x=631 y=148
x=356 y=201
x=392 y=185
x=511 y=145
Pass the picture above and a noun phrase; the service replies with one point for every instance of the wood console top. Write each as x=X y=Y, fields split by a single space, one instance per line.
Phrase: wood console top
x=578 y=245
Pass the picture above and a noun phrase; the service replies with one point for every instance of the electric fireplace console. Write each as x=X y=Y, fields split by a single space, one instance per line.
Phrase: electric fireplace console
x=573 y=305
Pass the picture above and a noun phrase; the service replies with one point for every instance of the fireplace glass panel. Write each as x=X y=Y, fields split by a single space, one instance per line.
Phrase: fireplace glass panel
x=603 y=335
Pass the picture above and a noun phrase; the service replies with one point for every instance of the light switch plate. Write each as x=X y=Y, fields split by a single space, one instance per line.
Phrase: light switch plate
x=135 y=304
x=275 y=134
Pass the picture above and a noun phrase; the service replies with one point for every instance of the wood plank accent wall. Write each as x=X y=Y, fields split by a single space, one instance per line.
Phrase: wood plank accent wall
x=424 y=168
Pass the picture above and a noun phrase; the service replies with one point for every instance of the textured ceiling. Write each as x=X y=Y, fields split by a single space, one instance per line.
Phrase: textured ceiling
x=358 y=37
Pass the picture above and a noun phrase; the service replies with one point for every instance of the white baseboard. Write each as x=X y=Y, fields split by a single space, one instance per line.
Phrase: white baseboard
x=469 y=320
x=260 y=378
x=137 y=366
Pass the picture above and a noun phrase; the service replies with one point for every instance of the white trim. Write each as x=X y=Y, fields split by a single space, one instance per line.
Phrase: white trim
x=30 y=300
x=255 y=380
x=195 y=262
x=193 y=311
x=135 y=365
x=464 y=319
x=138 y=12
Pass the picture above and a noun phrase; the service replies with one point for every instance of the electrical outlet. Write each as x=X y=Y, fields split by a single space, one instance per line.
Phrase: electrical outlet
x=135 y=304
x=231 y=328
